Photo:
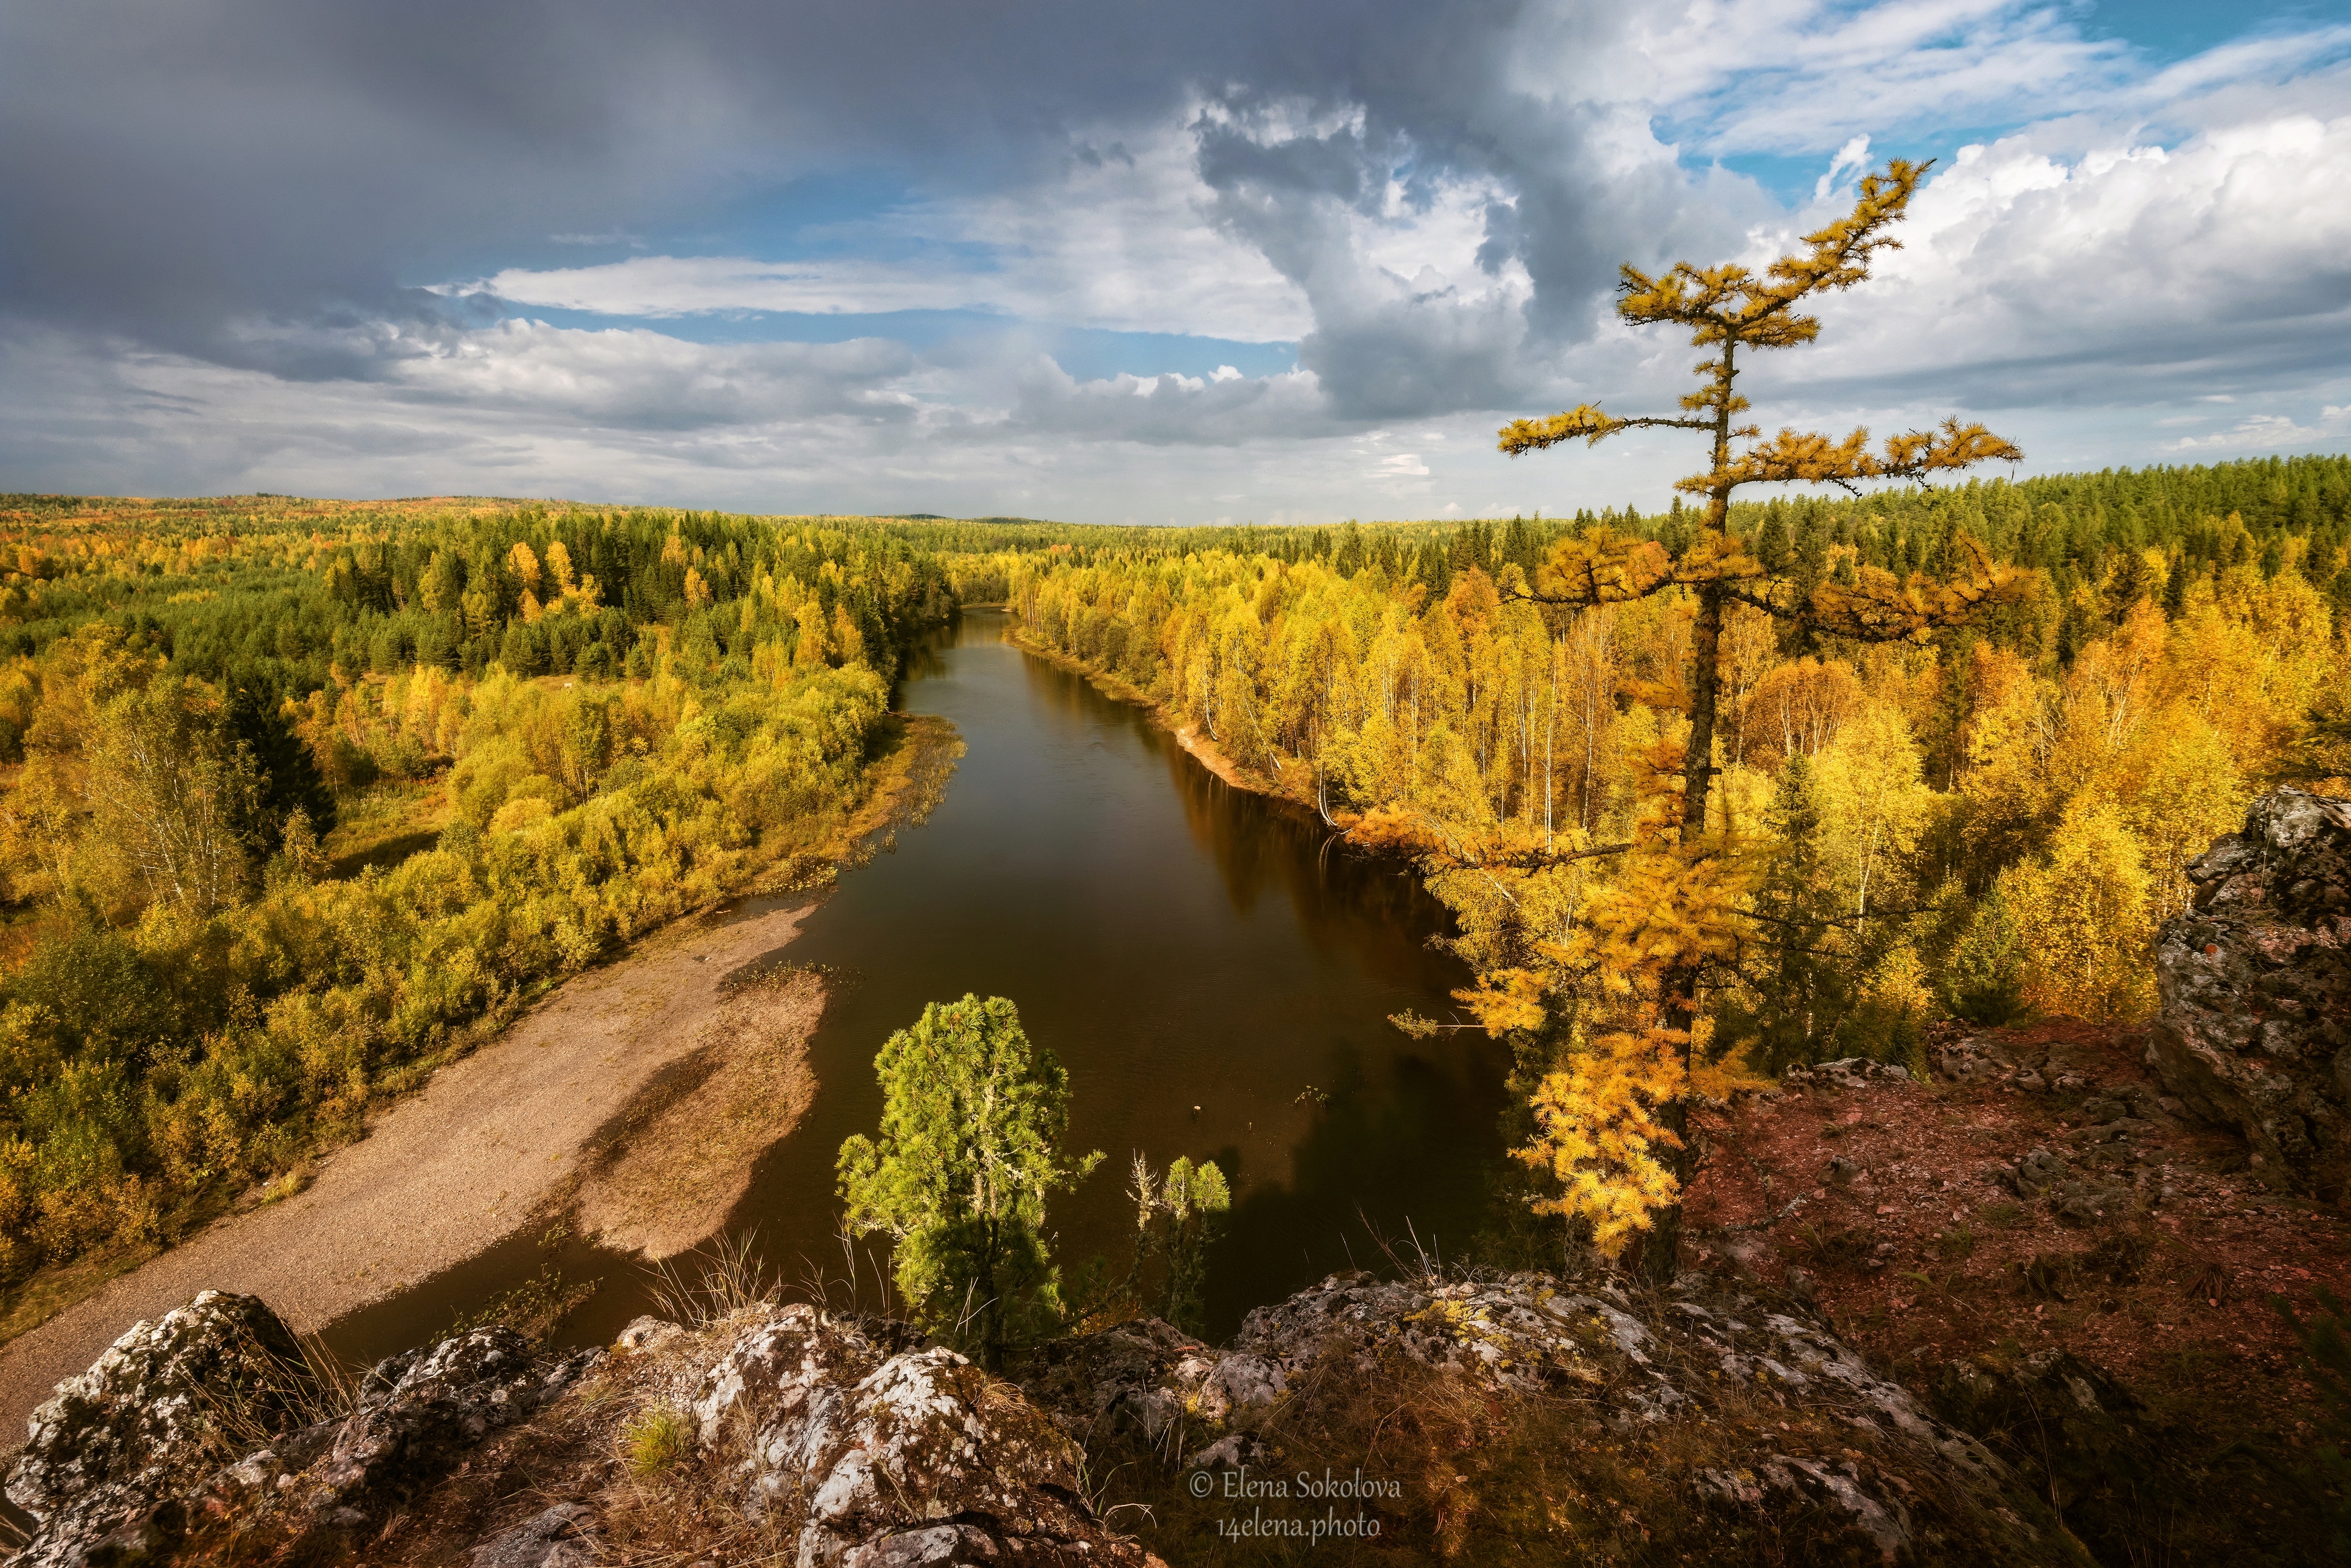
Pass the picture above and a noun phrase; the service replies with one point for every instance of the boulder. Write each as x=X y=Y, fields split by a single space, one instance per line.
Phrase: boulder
x=417 y=1414
x=2038 y=1172
x=2084 y=1438
x=2255 y=979
x=1670 y=1370
x=1846 y=1073
x=1839 y=1506
x=1128 y=1374
x=563 y=1536
x=900 y=1459
x=211 y=1418
x=110 y=1464
x=205 y=1432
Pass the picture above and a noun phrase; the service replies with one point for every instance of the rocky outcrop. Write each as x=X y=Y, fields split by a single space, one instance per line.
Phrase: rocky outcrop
x=564 y=1536
x=879 y=1450
x=108 y=1463
x=2255 y=1029
x=415 y=1417
x=1846 y=1072
x=904 y=1460
x=1743 y=1421
x=2084 y=1438
x=1672 y=1369
x=211 y=1418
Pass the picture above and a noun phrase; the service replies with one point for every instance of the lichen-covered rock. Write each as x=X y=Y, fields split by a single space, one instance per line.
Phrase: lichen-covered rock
x=417 y=1414
x=906 y=1459
x=1787 y=1485
x=2085 y=1437
x=2255 y=1029
x=2038 y=1172
x=1846 y=1073
x=647 y=1333
x=1638 y=1362
x=110 y=1463
x=1131 y=1372
x=210 y=1419
x=1973 y=1059
x=563 y=1536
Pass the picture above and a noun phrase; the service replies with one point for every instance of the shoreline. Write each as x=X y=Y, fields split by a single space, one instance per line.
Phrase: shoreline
x=495 y=1142
x=1203 y=748
x=565 y=1110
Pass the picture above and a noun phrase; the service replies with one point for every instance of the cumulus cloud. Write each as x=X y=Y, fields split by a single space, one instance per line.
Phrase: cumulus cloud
x=2270 y=432
x=204 y=213
x=2129 y=273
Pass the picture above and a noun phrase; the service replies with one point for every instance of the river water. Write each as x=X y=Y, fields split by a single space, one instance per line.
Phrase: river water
x=1215 y=973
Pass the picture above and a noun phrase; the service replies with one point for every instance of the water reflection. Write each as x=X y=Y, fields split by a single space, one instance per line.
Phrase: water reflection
x=1214 y=974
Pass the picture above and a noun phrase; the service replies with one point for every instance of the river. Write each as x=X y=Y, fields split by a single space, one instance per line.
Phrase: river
x=1214 y=972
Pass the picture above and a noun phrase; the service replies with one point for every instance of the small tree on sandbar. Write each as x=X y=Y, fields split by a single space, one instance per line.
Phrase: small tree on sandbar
x=1611 y=1122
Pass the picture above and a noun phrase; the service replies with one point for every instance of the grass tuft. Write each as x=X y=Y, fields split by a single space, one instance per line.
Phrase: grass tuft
x=655 y=1440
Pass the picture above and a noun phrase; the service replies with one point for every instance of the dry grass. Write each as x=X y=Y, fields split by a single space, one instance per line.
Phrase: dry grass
x=623 y=1444
x=316 y=1386
x=715 y=1283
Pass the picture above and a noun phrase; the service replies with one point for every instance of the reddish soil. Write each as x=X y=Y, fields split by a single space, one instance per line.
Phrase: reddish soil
x=1924 y=1252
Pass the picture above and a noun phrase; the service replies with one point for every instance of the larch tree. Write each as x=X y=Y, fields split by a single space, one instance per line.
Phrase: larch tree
x=1612 y=1124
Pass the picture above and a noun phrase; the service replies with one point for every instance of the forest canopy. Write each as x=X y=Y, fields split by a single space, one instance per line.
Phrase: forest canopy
x=1981 y=821
x=295 y=794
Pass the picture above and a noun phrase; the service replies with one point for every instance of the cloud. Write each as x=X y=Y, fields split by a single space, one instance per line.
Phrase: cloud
x=264 y=218
x=1117 y=244
x=1796 y=76
x=1853 y=158
x=2131 y=273
x=2271 y=433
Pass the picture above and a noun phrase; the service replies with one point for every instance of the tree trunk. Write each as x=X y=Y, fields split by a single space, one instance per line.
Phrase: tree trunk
x=991 y=1319
x=1661 y=1249
x=1706 y=684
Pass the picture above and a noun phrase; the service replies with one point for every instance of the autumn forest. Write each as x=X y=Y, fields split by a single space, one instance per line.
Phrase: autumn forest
x=296 y=795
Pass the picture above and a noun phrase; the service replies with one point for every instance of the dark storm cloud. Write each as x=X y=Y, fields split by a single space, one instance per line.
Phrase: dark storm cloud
x=164 y=168
x=1440 y=195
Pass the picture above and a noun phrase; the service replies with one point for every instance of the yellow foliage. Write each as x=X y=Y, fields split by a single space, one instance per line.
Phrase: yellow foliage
x=1606 y=1118
x=2082 y=910
x=1872 y=802
x=1598 y=1135
x=1505 y=1000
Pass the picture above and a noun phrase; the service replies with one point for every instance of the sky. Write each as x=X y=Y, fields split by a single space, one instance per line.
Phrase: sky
x=1233 y=260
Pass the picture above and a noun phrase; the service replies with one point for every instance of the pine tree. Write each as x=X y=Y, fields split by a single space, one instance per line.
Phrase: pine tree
x=973 y=1117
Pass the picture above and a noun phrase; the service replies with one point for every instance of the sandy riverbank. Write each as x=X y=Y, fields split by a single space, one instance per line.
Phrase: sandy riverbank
x=497 y=1141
